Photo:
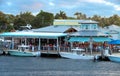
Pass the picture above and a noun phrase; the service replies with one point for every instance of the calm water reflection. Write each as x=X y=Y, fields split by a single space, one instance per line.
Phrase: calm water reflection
x=39 y=66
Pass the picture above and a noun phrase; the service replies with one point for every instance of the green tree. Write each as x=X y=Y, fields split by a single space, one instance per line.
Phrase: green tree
x=23 y=19
x=98 y=19
x=27 y=17
x=61 y=15
x=3 y=22
x=115 y=19
x=10 y=18
x=103 y=22
x=79 y=15
x=19 y=22
x=43 y=19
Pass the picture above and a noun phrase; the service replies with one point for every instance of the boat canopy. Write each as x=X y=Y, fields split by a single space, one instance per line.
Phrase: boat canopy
x=32 y=34
x=87 y=39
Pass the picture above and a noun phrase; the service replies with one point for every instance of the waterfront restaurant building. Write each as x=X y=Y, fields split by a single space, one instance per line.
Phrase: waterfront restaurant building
x=62 y=35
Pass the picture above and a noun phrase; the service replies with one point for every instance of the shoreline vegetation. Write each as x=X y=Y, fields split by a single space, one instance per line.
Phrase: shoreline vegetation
x=9 y=22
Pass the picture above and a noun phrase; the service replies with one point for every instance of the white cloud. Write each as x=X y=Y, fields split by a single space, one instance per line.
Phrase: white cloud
x=106 y=2
x=117 y=7
x=51 y=4
x=9 y=3
x=68 y=6
x=35 y=13
x=95 y=1
x=92 y=1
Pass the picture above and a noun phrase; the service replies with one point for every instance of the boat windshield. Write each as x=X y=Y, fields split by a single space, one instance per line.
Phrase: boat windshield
x=78 y=49
x=23 y=47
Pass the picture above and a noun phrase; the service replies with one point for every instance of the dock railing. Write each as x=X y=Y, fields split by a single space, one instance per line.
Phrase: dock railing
x=56 y=49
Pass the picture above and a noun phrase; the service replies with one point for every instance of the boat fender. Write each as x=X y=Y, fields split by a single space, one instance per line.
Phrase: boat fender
x=83 y=54
x=95 y=57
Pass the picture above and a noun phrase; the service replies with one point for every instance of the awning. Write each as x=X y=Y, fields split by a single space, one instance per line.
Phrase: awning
x=87 y=39
x=101 y=39
x=114 y=42
x=79 y=39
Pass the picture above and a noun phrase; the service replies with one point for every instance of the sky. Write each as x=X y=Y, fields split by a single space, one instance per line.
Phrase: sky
x=104 y=8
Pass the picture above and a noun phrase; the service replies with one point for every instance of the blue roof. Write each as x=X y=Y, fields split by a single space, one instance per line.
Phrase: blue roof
x=88 y=33
x=58 y=28
x=32 y=34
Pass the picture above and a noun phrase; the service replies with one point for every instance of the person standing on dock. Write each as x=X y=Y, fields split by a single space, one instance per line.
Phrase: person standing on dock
x=32 y=47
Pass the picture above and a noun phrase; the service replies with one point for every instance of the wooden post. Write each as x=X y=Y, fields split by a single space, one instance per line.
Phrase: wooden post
x=71 y=43
x=12 y=43
x=102 y=51
x=91 y=45
x=39 y=44
x=57 y=46
x=110 y=50
x=25 y=41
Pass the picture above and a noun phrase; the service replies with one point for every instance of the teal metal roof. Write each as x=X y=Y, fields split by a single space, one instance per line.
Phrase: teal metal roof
x=87 y=39
x=78 y=39
x=32 y=34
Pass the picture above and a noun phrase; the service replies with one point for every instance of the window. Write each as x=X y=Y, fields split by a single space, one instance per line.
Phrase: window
x=95 y=26
x=86 y=27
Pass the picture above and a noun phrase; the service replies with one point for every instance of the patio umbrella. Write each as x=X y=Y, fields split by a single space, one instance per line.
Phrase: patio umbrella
x=114 y=42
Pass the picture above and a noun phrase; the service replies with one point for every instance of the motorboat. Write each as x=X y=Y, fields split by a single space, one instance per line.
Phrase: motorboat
x=1 y=47
x=76 y=54
x=1 y=51
x=114 y=57
x=23 y=50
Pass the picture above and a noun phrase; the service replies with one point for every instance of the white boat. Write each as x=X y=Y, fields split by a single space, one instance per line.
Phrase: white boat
x=1 y=47
x=76 y=54
x=23 y=50
x=114 y=58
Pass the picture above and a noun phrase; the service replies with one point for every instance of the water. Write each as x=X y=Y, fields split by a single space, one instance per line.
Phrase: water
x=40 y=66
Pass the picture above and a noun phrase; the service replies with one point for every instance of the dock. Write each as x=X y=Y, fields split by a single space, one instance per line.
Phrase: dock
x=46 y=53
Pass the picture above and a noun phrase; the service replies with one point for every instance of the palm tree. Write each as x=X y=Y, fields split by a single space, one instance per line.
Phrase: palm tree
x=61 y=15
x=79 y=15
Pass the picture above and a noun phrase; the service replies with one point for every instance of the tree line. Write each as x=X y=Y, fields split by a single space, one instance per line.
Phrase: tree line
x=9 y=22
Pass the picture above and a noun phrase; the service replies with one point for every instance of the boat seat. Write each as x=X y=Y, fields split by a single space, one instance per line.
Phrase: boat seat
x=26 y=49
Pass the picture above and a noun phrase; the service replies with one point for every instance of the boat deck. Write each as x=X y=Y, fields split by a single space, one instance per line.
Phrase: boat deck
x=116 y=54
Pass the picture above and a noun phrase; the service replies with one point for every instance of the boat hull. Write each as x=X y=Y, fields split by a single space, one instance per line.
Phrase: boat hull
x=75 y=56
x=21 y=53
x=114 y=58
x=1 y=51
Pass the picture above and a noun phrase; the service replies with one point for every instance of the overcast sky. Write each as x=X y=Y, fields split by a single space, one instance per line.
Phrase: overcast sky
x=89 y=7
